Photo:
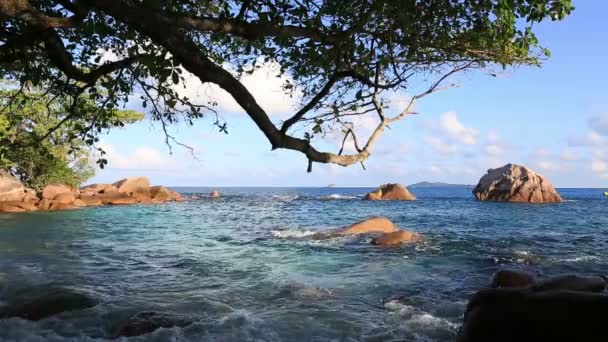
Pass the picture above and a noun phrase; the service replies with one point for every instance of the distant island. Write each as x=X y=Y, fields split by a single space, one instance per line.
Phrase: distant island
x=439 y=185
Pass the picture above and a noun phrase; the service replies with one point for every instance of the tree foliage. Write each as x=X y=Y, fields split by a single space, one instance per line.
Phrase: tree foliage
x=344 y=57
x=39 y=147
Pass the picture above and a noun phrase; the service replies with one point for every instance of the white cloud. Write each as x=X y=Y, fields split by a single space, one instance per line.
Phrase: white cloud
x=599 y=166
x=440 y=145
x=142 y=158
x=599 y=124
x=451 y=125
x=548 y=165
x=569 y=155
x=265 y=84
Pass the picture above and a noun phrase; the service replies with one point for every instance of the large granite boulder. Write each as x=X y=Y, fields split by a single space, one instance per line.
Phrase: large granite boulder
x=371 y=225
x=116 y=198
x=11 y=207
x=65 y=198
x=390 y=192
x=11 y=188
x=140 y=185
x=515 y=183
x=52 y=190
x=508 y=315
x=93 y=189
x=399 y=237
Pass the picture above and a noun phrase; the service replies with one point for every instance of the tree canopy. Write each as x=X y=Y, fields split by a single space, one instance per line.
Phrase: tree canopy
x=39 y=147
x=343 y=57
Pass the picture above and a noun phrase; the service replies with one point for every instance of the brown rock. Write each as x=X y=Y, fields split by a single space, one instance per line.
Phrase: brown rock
x=396 y=238
x=89 y=200
x=52 y=190
x=98 y=189
x=65 y=198
x=509 y=315
x=79 y=203
x=143 y=198
x=390 y=192
x=512 y=278
x=11 y=188
x=25 y=205
x=163 y=194
x=140 y=185
x=214 y=194
x=371 y=225
x=62 y=206
x=116 y=198
x=573 y=283
x=45 y=204
x=515 y=183
x=7 y=207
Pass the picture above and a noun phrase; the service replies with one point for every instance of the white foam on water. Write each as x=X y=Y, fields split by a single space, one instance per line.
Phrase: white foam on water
x=338 y=196
x=287 y=198
x=415 y=318
x=580 y=258
x=292 y=233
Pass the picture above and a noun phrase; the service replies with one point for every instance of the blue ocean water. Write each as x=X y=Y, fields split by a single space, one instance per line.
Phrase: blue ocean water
x=244 y=269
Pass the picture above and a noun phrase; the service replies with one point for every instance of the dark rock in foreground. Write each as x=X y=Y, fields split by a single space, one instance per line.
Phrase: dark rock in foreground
x=147 y=322
x=515 y=183
x=48 y=303
x=509 y=315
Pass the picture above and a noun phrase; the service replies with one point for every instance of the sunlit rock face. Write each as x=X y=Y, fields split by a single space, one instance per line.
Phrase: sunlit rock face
x=390 y=192
x=515 y=183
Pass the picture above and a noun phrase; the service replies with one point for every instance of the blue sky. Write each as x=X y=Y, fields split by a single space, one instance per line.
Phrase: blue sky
x=553 y=119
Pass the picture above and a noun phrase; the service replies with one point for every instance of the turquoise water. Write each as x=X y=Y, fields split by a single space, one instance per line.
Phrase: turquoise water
x=243 y=268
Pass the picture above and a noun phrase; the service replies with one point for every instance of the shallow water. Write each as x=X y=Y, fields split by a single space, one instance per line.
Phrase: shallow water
x=243 y=268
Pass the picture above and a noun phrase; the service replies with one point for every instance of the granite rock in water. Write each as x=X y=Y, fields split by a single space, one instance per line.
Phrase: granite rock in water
x=512 y=278
x=371 y=225
x=390 y=192
x=396 y=238
x=515 y=183
x=45 y=303
x=11 y=188
x=52 y=190
x=147 y=322
x=140 y=185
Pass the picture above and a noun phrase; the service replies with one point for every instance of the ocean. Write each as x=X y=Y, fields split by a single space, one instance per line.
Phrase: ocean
x=243 y=267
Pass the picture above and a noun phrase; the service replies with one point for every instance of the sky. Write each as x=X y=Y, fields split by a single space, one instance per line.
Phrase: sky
x=552 y=119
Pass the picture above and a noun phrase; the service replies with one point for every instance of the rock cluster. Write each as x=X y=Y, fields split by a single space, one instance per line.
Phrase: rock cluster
x=14 y=197
x=390 y=192
x=515 y=183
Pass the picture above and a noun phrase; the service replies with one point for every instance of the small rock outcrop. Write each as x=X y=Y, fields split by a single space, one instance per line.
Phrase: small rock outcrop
x=390 y=192
x=371 y=225
x=214 y=194
x=515 y=183
x=399 y=237
x=45 y=303
x=147 y=322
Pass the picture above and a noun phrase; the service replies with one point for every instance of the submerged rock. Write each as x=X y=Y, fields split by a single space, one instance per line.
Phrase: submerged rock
x=512 y=278
x=396 y=238
x=371 y=225
x=390 y=192
x=46 y=303
x=515 y=183
x=147 y=322
x=507 y=315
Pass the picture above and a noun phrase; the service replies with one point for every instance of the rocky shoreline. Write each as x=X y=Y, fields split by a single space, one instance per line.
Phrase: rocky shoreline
x=14 y=197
